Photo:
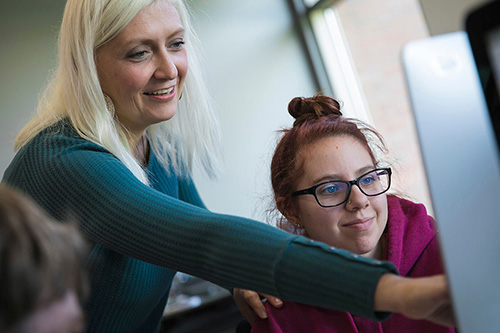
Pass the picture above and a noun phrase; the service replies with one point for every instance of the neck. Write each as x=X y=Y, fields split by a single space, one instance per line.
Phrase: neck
x=378 y=251
x=139 y=146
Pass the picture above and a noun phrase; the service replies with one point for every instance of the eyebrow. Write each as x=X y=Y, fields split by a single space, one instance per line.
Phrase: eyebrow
x=336 y=177
x=140 y=40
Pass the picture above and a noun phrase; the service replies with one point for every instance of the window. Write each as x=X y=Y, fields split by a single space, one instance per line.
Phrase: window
x=360 y=43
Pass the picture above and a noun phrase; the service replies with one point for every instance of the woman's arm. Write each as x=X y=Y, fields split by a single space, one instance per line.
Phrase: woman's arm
x=417 y=298
x=72 y=177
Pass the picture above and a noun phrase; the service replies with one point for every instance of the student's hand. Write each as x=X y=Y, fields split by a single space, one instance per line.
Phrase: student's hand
x=250 y=303
x=425 y=298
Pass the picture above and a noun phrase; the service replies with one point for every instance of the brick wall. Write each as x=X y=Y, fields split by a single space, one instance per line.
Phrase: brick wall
x=376 y=31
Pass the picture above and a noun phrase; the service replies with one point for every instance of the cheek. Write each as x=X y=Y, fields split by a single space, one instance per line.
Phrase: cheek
x=181 y=62
x=125 y=80
x=132 y=80
x=317 y=218
x=380 y=205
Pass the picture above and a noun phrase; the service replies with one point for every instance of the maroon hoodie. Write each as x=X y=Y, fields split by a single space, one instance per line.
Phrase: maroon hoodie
x=411 y=245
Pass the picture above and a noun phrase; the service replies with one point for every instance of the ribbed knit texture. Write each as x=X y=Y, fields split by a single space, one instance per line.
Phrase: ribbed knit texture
x=140 y=231
x=411 y=244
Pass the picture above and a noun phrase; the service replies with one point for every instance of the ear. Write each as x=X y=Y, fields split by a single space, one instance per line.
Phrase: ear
x=288 y=209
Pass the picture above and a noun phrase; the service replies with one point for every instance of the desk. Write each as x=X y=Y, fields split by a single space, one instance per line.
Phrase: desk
x=196 y=305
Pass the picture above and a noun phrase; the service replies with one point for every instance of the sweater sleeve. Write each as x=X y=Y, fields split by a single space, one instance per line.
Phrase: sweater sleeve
x=189 y=193
x=115 y=209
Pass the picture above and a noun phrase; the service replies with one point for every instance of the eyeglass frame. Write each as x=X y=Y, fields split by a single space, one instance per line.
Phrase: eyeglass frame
x=350 y=183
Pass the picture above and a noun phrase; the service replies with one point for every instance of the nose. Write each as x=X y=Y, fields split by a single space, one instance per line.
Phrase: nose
x=165 y=67
x=357 y=199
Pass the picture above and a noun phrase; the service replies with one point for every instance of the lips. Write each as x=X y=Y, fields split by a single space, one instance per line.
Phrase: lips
x=360 y=224
x=160 y=92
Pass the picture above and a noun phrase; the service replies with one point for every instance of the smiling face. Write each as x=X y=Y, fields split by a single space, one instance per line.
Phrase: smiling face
x=358 y=224
x=144 y=67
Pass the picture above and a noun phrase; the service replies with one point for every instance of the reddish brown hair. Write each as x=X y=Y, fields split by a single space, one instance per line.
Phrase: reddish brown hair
x=316 y=118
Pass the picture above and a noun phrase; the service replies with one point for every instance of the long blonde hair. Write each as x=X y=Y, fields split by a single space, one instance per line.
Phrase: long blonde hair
x=190 y=138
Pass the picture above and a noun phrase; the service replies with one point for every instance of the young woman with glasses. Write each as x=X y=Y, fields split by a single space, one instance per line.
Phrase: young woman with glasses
x=329 y=186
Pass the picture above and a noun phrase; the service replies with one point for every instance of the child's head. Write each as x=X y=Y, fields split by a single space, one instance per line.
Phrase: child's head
x=42 y=278
x=311 y=173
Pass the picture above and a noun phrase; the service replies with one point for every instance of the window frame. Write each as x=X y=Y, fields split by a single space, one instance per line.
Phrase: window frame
x=322 y=37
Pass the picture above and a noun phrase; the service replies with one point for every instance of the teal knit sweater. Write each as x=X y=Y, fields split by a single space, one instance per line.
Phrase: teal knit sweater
x=142 y=235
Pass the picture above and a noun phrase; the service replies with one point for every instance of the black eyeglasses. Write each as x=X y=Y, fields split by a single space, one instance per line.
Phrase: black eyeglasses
x=335 y=193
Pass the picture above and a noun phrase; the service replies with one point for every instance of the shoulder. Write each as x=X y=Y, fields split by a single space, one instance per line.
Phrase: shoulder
x=411 y=238
x=408 y=224
x=57 y=150
x=59 y=141
x=405 y=210
x=398 y=203
x=55 y=141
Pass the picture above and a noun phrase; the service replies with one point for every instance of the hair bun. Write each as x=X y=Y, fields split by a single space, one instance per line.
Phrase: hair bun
x=315 y=107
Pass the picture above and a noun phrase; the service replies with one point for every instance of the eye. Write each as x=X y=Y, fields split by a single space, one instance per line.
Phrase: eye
x=368 y=180
x=330 y=189
x=138 y=55
x=178 y=44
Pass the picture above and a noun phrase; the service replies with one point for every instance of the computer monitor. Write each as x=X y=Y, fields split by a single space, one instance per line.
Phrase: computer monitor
x=462 y=164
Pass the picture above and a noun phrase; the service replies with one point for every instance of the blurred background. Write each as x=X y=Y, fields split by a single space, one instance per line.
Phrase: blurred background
x=259 y=54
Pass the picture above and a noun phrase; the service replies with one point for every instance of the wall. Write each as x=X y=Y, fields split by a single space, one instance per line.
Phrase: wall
x=28 y=35
x=376 y=32
x=254 y=67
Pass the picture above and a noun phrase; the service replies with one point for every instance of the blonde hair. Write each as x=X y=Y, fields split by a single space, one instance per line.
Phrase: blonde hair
x=191 y=137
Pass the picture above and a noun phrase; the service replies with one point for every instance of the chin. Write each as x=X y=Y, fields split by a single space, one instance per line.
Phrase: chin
x=365 y=249
x=163 y=118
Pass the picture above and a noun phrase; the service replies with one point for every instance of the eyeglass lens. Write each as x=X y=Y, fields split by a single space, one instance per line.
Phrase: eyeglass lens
x=334 y=193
